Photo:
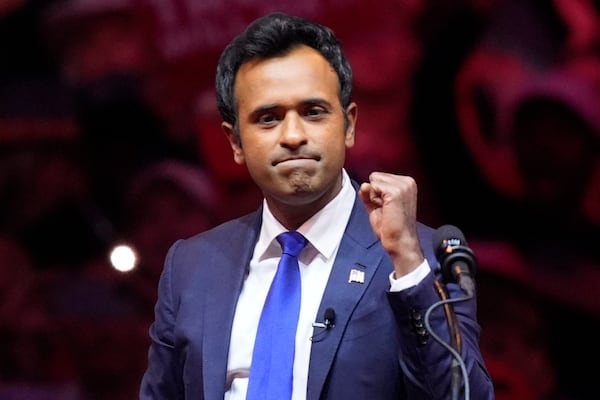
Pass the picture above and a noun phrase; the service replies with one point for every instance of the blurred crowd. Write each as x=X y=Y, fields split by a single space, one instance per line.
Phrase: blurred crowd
x=109 y=134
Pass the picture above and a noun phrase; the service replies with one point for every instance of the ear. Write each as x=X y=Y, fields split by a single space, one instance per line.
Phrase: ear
x=234 y=142
x=352 y=113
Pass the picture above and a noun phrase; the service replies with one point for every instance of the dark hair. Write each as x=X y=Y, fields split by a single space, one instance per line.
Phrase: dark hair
x=273 y=35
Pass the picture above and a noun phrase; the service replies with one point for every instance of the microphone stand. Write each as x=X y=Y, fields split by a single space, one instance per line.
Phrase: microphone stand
x=455 y=343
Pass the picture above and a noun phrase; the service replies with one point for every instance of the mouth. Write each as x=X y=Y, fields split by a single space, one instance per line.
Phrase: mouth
x=295 y=159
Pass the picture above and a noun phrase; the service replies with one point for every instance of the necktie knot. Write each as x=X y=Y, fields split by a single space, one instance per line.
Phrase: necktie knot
x=292 y=242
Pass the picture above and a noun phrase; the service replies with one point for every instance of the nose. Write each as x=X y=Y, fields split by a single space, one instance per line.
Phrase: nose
x=293 y=132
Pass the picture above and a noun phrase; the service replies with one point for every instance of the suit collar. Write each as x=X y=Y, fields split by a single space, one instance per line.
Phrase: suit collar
x=352 y=272
x=229 y=269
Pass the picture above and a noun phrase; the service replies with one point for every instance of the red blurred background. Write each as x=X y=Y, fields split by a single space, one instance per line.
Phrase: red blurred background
x=109 y=134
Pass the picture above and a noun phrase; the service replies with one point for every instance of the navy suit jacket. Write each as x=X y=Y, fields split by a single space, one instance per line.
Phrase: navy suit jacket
x=375 y=351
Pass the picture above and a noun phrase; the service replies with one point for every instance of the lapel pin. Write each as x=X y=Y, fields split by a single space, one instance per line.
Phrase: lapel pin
x=356 y=276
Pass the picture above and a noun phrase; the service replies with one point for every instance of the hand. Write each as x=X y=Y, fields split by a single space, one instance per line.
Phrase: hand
x=391 y=201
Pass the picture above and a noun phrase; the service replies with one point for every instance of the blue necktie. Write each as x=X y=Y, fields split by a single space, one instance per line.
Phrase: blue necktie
x=271 y=371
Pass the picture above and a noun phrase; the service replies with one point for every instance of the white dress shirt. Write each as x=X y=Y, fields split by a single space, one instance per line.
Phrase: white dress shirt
x=324 y=232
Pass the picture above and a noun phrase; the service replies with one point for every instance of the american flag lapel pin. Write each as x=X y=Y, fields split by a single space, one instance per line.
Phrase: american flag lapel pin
x=356 y=276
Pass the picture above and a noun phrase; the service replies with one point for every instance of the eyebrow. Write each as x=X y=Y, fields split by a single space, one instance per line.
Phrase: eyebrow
x=307 y=102
x=317 y=101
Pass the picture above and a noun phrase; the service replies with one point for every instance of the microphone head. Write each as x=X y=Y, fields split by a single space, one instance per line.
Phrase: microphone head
x=447 y=235
x=452 y=250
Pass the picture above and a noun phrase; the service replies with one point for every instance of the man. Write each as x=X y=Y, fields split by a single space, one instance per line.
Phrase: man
x=368 y=270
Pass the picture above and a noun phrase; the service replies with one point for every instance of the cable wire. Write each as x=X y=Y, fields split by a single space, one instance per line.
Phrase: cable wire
x=457 y=359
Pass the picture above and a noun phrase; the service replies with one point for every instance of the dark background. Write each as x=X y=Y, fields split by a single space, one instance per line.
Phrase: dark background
x=109 y=134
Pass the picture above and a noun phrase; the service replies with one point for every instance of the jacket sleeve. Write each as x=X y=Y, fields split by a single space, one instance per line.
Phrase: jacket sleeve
x=426 y=363
x=162 y=378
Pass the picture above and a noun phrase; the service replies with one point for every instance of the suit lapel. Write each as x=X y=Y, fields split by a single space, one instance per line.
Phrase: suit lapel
x=227 y=273
x=353 y=269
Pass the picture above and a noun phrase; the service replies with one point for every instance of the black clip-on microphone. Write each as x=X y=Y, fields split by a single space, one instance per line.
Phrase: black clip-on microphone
x=328 y=322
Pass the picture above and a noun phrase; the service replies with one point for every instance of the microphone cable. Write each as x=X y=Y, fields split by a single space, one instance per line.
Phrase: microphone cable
x=458 y=368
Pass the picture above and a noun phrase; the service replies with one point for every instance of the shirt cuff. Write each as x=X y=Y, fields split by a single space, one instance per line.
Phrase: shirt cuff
x=411 y=279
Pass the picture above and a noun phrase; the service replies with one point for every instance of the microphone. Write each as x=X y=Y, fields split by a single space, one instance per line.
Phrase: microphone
x=328 y=320
x=457 y=260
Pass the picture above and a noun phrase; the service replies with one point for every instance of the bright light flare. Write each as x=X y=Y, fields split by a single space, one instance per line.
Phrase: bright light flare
x=123 y=258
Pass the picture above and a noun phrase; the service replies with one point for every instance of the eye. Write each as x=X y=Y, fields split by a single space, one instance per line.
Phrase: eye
x=267 y=119
x=315 y=112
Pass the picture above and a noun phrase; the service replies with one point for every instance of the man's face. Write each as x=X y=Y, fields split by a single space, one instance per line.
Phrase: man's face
x=291 y=126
